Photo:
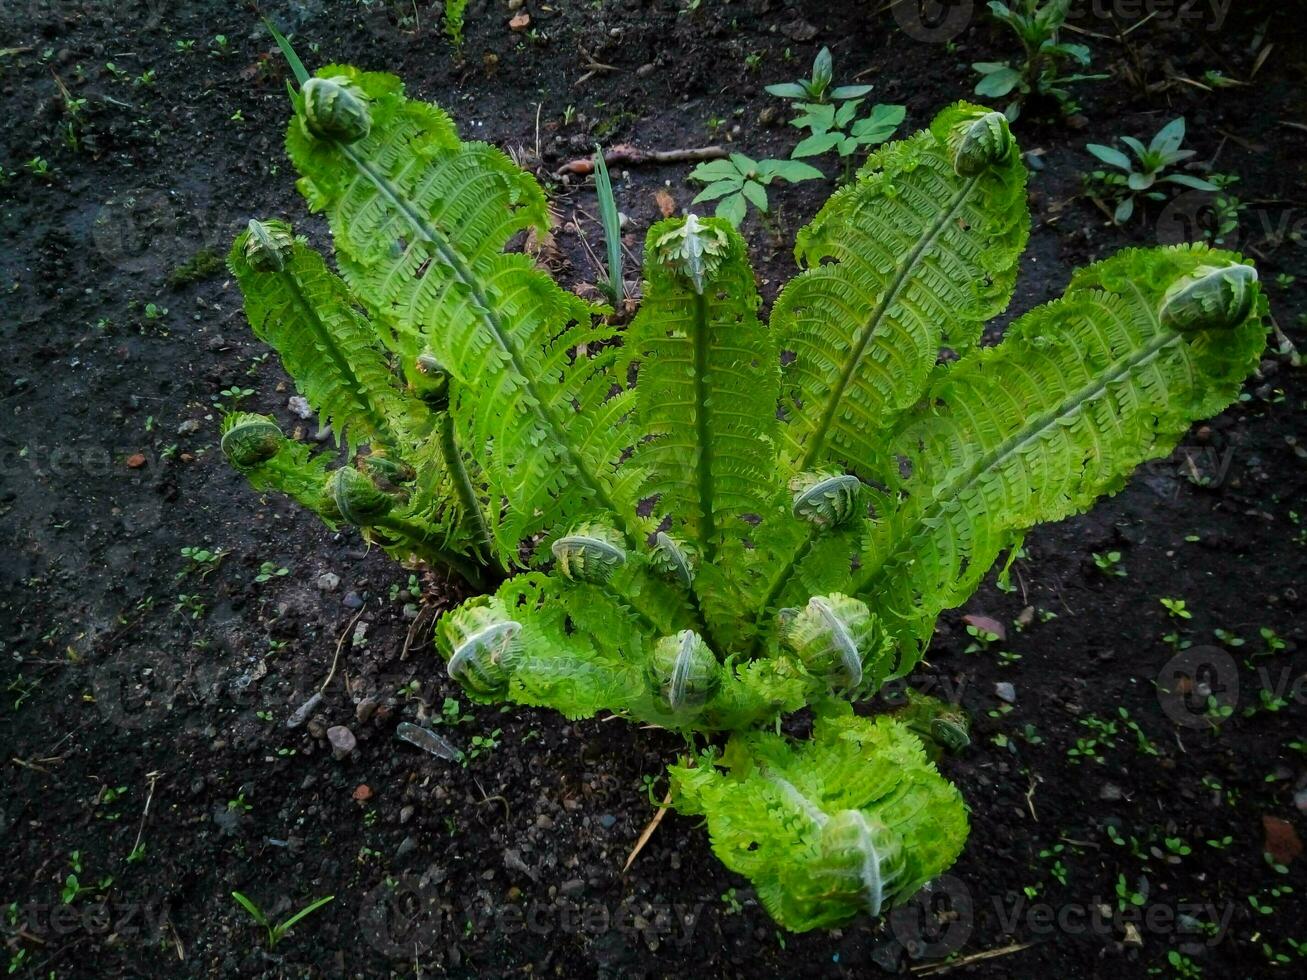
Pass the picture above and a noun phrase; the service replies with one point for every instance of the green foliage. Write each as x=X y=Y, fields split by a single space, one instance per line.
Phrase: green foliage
x=455 y=12
x=1036 y=24
x=737 y=182
x=711 y=521
x=615 y=287
x=1147 y=171
x=841 y=129
x=277 y=931
x=818 y=88
x=830 y=115
x=849 y=822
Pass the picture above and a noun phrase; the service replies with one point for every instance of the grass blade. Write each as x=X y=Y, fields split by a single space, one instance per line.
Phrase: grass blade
x=612 y=228
x=292 y=59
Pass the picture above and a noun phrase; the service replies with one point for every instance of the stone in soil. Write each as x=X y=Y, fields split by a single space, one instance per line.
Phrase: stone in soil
x=342 y=741
x=328 y=581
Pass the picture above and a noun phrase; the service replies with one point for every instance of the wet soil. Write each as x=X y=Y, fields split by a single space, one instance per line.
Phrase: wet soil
x=145 y=699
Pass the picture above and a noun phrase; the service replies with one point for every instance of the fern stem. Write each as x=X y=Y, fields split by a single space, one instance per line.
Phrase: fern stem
x=957 y=487
x=458 y=265
x=467 y=496
x=707 y=527
x=779 y=583
x=817 y=440
x=419 y=540
x=327 y=345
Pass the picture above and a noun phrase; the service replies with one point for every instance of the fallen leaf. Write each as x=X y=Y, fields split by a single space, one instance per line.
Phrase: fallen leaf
x=666 y=203
x=1282 y=842
x=987 y=623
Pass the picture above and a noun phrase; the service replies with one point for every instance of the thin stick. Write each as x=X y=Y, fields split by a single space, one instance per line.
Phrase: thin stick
x=625 y=153
x=153 y=777
x=650 y=827
x=336 y=659
x=930 y=969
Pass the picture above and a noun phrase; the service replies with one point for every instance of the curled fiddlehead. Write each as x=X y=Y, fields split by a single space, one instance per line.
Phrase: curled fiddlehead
x=355 y=498
x=683 y=673
x=484 y=643
x=592 y=552
x=335 y=109
x=826 y=499
x=268 y=245
x=978 y=141
x=693 y=250
x=859 y=862
x=430 y=381
x=1210 y=298
x=387 y=473
x=941 y=726
x=674 y=558
x=838 y=639
x=249 y=439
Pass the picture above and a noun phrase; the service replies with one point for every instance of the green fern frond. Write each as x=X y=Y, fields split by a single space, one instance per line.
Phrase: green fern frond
x=709 y=375
x=280 y=464
x=296 y=305
x=420 y=222
x=1079 y=393
x=912 y=256
x=844 y=824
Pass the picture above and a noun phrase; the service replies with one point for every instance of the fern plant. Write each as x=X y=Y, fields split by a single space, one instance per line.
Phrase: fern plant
x=708 y=521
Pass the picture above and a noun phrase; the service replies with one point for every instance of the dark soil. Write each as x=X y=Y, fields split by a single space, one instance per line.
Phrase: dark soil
x=125 y=716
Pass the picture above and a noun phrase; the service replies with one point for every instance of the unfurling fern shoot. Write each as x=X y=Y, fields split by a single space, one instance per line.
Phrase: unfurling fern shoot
x=708 y=520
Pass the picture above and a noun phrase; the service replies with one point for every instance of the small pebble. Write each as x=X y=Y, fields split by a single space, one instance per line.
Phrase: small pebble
x=328 y=581
x=299 y=406
x=342 y=741
x=304 y=710
x=1006 y=692
x=366 y=708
